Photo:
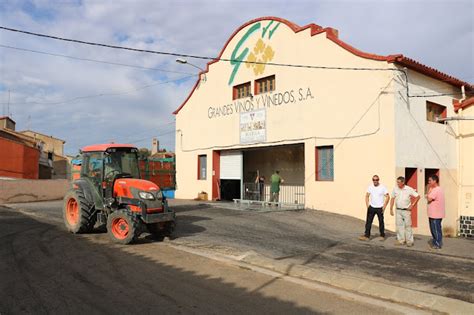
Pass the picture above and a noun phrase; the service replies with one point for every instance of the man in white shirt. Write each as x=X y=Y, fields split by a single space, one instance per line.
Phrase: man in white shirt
x=405 y=198
x=376 y=200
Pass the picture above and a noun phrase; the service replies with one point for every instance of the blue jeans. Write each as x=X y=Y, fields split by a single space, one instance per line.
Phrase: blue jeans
x=436 y=232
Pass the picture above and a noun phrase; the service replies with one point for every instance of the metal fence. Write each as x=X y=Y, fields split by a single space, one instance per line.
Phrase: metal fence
x=289 y=193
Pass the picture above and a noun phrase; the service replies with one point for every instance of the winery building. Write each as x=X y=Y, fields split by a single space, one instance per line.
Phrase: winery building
x=327 y=116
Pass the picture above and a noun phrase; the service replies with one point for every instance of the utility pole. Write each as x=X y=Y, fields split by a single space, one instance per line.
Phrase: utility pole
x=8 y=104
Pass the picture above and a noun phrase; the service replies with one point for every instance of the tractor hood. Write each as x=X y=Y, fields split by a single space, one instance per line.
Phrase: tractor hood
x=128 y=187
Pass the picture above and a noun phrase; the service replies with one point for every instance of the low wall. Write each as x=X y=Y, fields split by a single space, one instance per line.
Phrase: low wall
x=25 y=190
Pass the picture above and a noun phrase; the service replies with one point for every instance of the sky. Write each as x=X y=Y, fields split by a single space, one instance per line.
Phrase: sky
x=86 y=102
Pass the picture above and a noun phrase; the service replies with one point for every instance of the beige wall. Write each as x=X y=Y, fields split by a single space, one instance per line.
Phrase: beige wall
x=466 y=136
x=423 y=144
x=366 y=107
x=6 y=123
x=23 y=190
x=51 y=144
x=340 y=99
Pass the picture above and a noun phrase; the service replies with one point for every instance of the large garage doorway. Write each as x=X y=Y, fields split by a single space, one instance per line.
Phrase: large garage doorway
x=264 y=161
x=231 y=169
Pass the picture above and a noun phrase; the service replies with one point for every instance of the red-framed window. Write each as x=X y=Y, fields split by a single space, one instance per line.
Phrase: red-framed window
x=325 y=163
x=435 y=111
x=241 y=91
x=265 y=85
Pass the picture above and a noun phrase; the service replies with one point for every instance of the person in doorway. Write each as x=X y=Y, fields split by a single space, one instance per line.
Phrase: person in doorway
x=260 y=183
x=436 y=211
x=376 y=200
x=405 y=198
x=275 y=181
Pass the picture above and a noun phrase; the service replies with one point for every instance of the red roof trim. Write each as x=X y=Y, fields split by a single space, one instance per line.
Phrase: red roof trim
x=429 y=71
x=332 y=34
x=103 y=147
x=461 y=105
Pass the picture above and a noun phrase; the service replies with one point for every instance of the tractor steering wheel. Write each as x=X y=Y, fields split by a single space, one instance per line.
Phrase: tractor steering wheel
x=110 y=173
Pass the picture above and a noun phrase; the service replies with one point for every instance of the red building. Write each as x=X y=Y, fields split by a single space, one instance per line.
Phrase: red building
x=19 y=155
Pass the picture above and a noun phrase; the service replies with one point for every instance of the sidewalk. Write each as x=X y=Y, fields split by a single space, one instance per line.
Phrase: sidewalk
x=324 y=247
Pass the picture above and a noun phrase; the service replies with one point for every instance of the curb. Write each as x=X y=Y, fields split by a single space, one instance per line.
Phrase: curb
x=364 y=286
x=356 y=285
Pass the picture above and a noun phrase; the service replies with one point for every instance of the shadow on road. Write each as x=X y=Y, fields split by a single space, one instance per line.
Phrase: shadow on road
x=44 y=269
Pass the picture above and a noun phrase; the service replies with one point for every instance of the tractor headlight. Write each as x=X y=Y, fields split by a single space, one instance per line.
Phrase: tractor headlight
x=159 y=195
x=146 y=195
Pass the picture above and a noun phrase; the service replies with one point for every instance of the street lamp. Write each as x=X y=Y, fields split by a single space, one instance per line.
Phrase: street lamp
x=184 y=61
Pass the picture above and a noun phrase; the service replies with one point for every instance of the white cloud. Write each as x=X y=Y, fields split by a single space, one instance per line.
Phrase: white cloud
x=437 y=33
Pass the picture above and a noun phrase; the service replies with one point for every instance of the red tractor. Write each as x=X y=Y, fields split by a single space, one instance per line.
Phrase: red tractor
x=110 y=192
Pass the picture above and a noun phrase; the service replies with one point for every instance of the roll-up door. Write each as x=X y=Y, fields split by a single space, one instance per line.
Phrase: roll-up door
x=231 y=165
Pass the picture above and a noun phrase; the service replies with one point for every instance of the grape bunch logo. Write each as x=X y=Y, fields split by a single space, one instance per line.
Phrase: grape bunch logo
x=260 y=53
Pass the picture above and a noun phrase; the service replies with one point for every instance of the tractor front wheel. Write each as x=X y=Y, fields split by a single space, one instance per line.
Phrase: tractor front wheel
x=161 y=230
x=122 y=227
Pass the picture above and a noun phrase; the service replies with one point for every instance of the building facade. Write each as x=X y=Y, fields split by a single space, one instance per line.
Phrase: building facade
x=7 y=123
x=325 y=114
x=19 y=154
x=465 y=133
x=51 y=144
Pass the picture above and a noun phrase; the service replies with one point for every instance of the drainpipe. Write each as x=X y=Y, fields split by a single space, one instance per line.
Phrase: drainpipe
x=460 y=163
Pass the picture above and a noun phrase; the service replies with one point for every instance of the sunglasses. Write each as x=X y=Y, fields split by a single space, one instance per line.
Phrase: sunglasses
x=375 y=180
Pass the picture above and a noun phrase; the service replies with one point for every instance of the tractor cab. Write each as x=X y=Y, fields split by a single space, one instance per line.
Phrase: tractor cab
x=110 y=191
x=103 y=166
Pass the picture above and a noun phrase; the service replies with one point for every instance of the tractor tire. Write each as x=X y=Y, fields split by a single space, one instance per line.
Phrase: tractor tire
x=160 y=232
x=155 y=231
x=122 y=227
x=77 y=213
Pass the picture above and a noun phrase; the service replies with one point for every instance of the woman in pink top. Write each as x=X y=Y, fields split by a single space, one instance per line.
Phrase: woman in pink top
x=436 y=211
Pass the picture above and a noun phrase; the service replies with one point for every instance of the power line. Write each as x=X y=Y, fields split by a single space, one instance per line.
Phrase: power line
x=148 y=130
x=165 y=53
x=435 y=95
x=211 y=58
x=130 y=135
x=147 y=138
x=77 y=98
x=92 y=60
x=293 y=140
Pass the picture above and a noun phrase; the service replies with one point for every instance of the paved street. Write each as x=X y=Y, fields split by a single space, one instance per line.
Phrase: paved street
x=321 y=240
x=44 y=269
x=329 y=241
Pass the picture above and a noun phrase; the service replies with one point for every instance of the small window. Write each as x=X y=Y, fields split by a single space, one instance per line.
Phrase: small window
x=435 y=111
x=241 y=91
x=325 y=163
x=202 y=167
x=92 y=167
x=265 y=85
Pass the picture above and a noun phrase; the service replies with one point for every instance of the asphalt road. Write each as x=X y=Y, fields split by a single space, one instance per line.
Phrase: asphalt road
x=317 y=239
x=330 y=241
x=44 y=269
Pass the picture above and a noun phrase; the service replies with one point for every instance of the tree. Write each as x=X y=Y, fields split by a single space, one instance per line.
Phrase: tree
x=143 y=153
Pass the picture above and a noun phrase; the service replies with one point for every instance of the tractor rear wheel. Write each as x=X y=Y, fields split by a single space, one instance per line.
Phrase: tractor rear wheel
x=77 y=213
x=122 y=227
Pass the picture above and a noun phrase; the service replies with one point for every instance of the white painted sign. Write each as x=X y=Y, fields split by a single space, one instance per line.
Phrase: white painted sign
x=253 y=126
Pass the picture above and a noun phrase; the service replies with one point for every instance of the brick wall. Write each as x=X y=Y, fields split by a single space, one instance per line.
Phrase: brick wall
x=466 y=228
